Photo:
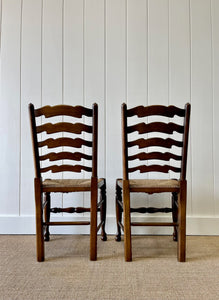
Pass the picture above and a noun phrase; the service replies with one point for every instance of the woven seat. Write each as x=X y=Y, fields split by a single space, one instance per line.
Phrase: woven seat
x=152 y=184
x=71 y=184
x=143 y=141
x=61 y=147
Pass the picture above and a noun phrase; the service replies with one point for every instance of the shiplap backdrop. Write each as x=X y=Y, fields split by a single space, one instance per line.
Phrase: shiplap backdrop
x=78 y=52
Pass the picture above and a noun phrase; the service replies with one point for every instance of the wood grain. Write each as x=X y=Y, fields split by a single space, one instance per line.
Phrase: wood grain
x=76 y=128
x=156 y=127
x=65 y=155
x=155 y=155
x=158 y=110
x=157 y=142
x=154 y=168
x=65 y=168
x=63 y=110
x=59 y=142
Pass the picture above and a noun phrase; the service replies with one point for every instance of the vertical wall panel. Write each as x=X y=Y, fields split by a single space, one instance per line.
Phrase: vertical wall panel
x=179 y=62
x=73 y=52
x=115 y=92
x=158 y=55
x=94 y=84
x=73 y=65
x=158 y=68
x=215 y=65
x=10 y=107
x=52 y=52
x=137 y=67
x=202 y=109
x=52 y=68
x=137 y=52
x=30 y=92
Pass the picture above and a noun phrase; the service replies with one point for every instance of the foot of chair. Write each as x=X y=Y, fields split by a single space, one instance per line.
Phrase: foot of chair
x=103 y=236
x=175 y=239
x=47 y=236
x=175 y=234
x=118 y=238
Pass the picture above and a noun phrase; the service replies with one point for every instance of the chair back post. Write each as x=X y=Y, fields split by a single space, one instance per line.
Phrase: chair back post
x=95 y=140
x=185 y=141
x=124 y=142
x=34 y=141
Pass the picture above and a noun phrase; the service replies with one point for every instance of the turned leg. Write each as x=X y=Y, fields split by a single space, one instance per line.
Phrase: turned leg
x=47 y=216
x=103 y=211
x=39 y=220
x=175 y=214
x=181 y=245
x=118 y=211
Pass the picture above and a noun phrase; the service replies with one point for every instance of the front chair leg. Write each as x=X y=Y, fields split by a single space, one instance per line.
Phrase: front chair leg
x=93 y=219
x=47 y=216
x=103 y=211
x=118 y=211
x=181 y=245
x=127 y=221
x=39 y=220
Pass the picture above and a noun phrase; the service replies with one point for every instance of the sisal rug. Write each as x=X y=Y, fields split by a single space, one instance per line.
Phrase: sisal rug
x=67 y=272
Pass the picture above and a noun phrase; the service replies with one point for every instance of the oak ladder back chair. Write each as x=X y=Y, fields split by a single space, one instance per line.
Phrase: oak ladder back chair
x=161 y=136
x=44 y=163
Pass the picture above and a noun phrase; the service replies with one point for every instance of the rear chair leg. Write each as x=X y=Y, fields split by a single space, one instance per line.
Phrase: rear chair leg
x=118 y=211
x=175 y=214
x=103 y=211
x=39 y=220
x=47 y=216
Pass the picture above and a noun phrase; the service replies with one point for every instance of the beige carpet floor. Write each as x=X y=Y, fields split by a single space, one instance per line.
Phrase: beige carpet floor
x=67 y=272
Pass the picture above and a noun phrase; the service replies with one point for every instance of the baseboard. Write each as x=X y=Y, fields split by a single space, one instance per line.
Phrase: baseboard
x=196 y=225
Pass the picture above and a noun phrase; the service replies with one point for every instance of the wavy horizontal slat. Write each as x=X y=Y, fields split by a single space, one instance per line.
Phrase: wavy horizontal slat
x=158 y=142
x=156 y=127
x=66 y=168
x=63 y=110
x=155 y=155
x=76 y=143
x=76 y=128
x=154 y=168
x=65 y=155
x=157 y=110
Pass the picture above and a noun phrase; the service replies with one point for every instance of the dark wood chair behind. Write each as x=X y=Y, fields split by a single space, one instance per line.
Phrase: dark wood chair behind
x=43 y=136
x=159 y=136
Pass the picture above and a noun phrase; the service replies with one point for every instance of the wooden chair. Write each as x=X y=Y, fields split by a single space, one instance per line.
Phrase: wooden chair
x=159 y=135
x=41 y=137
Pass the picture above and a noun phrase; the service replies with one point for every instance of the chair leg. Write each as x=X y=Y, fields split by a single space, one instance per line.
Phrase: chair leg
x=181 y=245
x=175 y=214
x=39 y=220
x=127 y=221
x=103 y=211
x=47 y=216
x=93 y=220
x=118 y=212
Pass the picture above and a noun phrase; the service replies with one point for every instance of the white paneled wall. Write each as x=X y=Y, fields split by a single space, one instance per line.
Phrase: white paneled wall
x=77 y=52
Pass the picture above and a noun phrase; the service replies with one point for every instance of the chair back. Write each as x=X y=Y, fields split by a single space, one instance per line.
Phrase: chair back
x=41 y=137
x=159 y=134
